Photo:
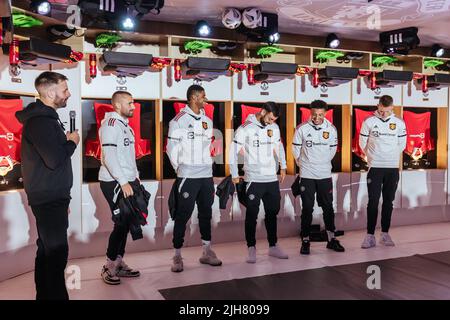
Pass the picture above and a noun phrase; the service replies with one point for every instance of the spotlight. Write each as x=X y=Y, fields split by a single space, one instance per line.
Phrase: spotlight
x=274 y=37
x=127 y=23
x=332 y=41
x=202 y=28
x=399 y=41
x=437 y=51
x=41 y=7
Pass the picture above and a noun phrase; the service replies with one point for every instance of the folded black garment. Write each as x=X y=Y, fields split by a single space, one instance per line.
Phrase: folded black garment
x=295 y=187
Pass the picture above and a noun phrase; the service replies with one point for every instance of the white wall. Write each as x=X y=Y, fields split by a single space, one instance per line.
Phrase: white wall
x=332 y=95
x=281 y=91
x=362 y=95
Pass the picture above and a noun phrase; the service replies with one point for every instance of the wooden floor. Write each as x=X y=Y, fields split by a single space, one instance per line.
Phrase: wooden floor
x=156 y=274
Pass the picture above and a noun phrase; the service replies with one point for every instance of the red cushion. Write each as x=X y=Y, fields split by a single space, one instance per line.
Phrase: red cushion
x=209 y=109
x=306 y=114
x=248 y=110
x=142 y=146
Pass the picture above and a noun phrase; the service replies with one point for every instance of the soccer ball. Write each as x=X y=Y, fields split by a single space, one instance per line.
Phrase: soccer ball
x=231 y=18
x=252 y=18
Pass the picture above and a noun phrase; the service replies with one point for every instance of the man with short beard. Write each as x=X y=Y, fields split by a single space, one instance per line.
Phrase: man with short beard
x=260 y=141
x=47 y=178
x=118 y=175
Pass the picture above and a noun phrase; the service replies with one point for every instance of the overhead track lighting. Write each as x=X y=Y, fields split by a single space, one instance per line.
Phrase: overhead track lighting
x=202 y=29
x=41 y=7
x=332 y=41
x=437 y=51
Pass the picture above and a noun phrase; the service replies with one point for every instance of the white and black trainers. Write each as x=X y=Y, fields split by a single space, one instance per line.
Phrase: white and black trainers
x=369 y=241
x=109 y=275
x=124 y=271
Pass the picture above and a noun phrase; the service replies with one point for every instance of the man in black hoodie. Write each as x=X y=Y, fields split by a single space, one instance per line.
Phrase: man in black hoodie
x=47 y=178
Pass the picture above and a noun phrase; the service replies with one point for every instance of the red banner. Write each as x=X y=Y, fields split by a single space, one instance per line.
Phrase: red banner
x=419 y=140
x=10 y=129
x=360 y=116
x=142 y=146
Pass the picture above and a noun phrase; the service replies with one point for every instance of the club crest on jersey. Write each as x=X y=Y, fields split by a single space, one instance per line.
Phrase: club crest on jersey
x=270 y=133
x=392 y=126
x=205 y=125
x=325 y=135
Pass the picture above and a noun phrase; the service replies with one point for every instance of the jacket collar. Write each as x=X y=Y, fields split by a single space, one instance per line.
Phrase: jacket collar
x=376 y=114
x=319 y=127
x=115 y=115
x=189 y=111
x=252 y=119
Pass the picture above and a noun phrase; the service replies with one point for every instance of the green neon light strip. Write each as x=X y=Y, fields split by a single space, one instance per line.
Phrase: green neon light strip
x=197 y=46
x=432 y=63
x=106 y=40
x=326 y=55
x=21 y=20
x=378 y=61
x=268 y=51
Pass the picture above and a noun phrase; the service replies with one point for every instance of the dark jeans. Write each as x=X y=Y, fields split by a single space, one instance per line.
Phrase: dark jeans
x=381 y=181
x=324 y=190
x=191 y=191
x=269 y=193
x=51 y=258
x=119 y=234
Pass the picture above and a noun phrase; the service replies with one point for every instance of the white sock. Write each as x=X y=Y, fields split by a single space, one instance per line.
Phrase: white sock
x=110 y=264
x=305 y=239
x=206 y=245
x=330 y=235
x=178 y=252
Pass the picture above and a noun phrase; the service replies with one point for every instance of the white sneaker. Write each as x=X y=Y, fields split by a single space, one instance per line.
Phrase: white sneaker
x=369 y=241
x=276 y=252
x=386 y=240
x=251 y=255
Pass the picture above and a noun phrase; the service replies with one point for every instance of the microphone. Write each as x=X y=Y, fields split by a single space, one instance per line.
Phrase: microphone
x=72 y=120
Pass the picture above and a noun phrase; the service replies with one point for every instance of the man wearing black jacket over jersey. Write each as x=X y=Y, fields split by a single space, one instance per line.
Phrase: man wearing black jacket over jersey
x=47 y=178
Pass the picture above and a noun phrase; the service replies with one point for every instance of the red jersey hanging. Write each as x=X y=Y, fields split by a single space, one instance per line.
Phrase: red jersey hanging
x=10 y=129
x=419 y=140
x=360 y=116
